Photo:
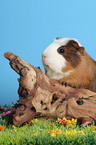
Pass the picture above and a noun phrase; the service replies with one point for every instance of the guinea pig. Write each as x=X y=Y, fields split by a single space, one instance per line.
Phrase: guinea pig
x=65 y=60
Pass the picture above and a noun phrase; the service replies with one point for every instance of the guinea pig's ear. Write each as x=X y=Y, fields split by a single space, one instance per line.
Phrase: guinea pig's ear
x=75 y=44
x=57 y=38
x=81 y=50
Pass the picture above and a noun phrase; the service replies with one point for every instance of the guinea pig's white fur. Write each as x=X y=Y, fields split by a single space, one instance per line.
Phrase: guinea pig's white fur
x=53 y=62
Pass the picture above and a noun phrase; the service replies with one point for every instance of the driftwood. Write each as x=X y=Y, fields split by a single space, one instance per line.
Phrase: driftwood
x=45 y=98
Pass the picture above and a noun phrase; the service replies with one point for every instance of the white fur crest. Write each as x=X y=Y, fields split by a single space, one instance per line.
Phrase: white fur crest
x=56 y=76
x=54 y=62
x=64 y=41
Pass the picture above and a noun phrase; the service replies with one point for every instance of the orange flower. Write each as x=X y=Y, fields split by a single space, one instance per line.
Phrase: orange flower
x=2 y=127
x=63 y=121
x=93 y=127
x=55 y=132
x=67 y=122
x=40 y=129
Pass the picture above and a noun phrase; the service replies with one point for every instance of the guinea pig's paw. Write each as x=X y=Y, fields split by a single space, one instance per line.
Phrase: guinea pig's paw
x=39 y=67
x=63 y=83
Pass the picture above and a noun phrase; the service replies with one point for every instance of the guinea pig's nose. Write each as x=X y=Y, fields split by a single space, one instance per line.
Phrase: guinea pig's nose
x=44 y=56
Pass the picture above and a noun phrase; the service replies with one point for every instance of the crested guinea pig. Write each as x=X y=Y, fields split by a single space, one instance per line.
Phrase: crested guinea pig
x=66 y=60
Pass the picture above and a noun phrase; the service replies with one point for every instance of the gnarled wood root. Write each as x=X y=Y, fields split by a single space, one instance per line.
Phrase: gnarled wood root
x=45 y=98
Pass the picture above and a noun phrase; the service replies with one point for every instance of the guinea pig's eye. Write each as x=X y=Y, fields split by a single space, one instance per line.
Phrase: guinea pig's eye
x=61 y=50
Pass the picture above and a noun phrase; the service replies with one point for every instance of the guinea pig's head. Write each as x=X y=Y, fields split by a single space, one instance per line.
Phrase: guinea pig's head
x=61 y=57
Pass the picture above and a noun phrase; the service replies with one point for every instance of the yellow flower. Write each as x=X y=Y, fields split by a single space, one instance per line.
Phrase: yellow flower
x=64 y=119
x=81 y=132
x=94 y=131
x=28 y=125
x=93 y=127
x=73 y=121
x=74 y=131
x=15 y=130
x=58 y=120
x=11 y=131
x=53 y=134
x=67 y=122
x=55 y=131
x=31 y=121
x=71 y=132
x=40 y=129
x=36 y=119
x=35 y=134
x=14 y=126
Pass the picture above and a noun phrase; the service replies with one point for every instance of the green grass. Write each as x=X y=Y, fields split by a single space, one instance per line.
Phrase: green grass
x=37 y=134
x=40 y=132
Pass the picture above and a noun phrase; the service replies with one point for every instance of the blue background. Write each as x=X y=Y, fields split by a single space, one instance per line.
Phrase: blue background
x=28 y=26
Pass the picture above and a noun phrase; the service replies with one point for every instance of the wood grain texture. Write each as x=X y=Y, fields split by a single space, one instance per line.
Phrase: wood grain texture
x=45 y=98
